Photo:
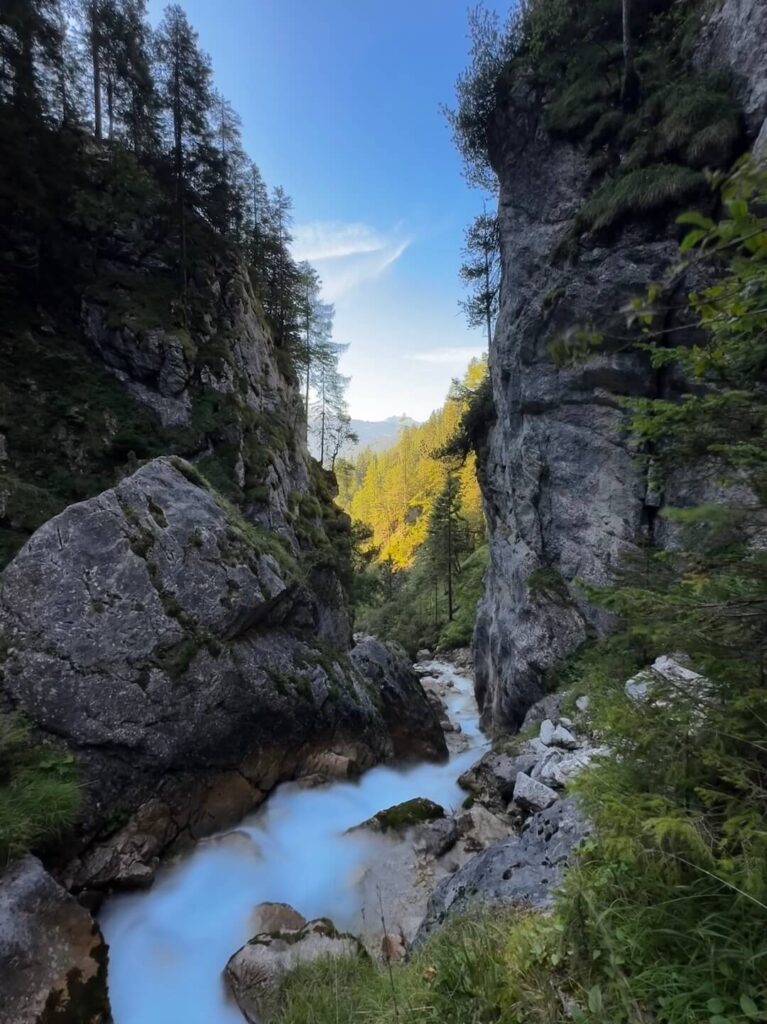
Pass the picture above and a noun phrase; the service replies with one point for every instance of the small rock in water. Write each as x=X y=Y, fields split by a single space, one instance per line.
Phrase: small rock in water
x=533 y=795
x=275 y=917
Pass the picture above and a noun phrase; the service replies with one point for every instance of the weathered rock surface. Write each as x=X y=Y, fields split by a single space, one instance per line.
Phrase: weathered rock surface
x=52 y=956
x=255 y=971
x=491 y=780
x=532 y=795
x=172 y=646
x=523 y=870
x=564 y=497
x=411 y=719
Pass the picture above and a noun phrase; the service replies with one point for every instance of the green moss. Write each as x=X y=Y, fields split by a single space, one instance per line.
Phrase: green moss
x=412 y=812
x=548 y=583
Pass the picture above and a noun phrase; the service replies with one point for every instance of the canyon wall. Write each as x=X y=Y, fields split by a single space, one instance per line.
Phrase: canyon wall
x=564 y=495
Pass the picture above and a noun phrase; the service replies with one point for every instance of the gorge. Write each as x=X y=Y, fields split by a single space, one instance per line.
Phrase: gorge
x=221 y=799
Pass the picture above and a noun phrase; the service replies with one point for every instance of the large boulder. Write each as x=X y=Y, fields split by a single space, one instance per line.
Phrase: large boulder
x=523 y=870
x=410 y=717
x=52 y=956
x=491 y=779
x=255 y=971
x=173 y=646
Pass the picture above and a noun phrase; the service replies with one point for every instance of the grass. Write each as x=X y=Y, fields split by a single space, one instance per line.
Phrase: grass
x=492 y=968
x=39 y=792
x=642 y=192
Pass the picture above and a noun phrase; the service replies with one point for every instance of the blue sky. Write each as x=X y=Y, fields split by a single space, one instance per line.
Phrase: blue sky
x=339 y=101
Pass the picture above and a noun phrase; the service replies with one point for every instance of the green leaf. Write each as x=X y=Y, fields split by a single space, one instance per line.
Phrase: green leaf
x=697 y=219
x=749 y=1007
x=595 y=999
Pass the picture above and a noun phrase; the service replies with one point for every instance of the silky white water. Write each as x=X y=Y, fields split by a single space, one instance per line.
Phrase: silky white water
x=169 y=945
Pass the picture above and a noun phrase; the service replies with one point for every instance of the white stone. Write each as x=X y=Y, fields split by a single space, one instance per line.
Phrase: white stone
x=546 y=732
x=582 y=704
x=533 y=795
x=563 y=738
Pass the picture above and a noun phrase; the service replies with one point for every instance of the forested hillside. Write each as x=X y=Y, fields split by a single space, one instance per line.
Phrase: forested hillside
x=418 y=514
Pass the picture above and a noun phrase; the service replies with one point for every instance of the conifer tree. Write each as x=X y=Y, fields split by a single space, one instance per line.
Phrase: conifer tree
x=31 y=51
x=481 y=273
x=447 y=539
x=186 y=97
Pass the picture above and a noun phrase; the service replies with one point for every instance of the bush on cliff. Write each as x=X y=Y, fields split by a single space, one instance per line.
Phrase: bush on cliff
x=39 y=793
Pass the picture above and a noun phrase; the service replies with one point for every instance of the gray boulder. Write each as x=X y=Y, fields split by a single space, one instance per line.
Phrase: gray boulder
x=52 y=956
x=491 y=779
x=532 y=795
x=410 y=717
x=523 y=870
x=173 y=647
x=255 y=971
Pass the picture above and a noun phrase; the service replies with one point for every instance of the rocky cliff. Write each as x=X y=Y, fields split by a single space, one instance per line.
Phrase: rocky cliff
x=564 y=496
x=179 y=616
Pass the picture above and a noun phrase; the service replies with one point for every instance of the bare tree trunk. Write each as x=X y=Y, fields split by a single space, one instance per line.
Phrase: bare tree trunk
x=630 y=86
x=96 y=65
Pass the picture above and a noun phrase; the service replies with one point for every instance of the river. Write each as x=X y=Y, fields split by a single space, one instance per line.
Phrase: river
x=169 y=944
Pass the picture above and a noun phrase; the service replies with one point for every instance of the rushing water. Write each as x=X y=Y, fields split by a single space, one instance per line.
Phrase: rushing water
x=168 y=946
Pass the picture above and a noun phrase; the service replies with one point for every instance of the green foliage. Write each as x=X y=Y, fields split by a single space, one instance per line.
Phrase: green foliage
x=649 y=190
x=39 y=793
x=497 y=968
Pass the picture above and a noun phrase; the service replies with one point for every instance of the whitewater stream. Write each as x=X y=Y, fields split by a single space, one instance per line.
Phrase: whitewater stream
x=169 y=944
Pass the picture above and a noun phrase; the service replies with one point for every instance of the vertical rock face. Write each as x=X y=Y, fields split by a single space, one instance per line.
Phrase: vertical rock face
x=563 y=495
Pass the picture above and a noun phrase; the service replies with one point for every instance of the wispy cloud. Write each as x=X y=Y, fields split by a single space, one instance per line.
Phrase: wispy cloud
x=346 y=254
x=458 y=355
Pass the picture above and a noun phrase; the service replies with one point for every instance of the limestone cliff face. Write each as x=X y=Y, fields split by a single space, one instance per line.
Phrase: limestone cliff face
x=563 y=495
x=178 y=617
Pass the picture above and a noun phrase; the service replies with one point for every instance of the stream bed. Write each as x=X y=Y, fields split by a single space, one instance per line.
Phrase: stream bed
x=169 y=944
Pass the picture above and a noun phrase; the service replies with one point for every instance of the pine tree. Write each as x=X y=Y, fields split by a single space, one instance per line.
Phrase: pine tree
x=481 y=273
x=447 y=538
x=186 y=96
x=31 y=51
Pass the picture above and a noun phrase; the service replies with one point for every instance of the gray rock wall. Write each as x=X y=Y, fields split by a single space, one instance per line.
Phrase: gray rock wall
x=563 y=495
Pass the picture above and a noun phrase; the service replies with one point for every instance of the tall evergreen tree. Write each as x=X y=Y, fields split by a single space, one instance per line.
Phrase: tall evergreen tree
x=186 y=96
x=31 y=51
x=481 y=273
x=447 y=539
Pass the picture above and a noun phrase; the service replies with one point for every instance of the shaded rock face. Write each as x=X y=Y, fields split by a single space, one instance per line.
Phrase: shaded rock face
x=255 y=971
x=173 y=647
x=564 y=497
x=523 y=870
x=52 y=956
x=412 y=720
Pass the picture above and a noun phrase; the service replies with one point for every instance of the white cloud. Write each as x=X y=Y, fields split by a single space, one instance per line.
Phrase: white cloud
x=346 y=255
x=458 y=355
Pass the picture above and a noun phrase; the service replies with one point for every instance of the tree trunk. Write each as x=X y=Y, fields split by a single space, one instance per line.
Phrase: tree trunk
x=450 y=563
x=630 y=85
x=96 y=65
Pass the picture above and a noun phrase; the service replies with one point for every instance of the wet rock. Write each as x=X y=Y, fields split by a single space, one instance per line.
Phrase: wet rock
x=532 y=795
x=255 y=971
x=523 y=870
x=52 y=956
x=275 y=917
x=403 y=816
x=437 y=837
x=410 y=718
